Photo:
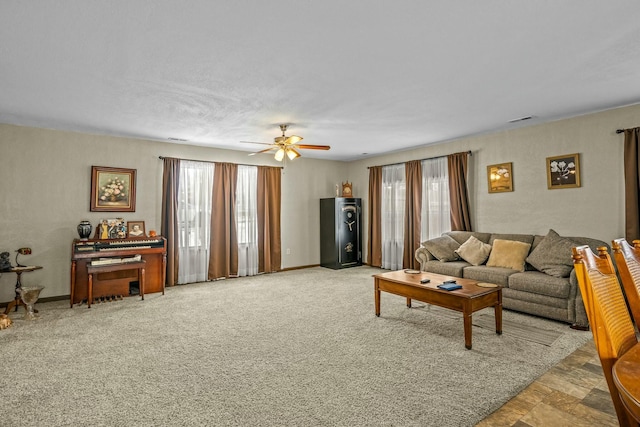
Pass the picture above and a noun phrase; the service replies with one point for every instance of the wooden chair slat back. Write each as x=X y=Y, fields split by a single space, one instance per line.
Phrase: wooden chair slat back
x=610 y=322
x=628 y=261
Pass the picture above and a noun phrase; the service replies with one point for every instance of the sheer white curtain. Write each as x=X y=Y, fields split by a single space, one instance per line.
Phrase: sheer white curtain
x=393 y=199
x=247 y=220
x=436 y=209
x=194 y=220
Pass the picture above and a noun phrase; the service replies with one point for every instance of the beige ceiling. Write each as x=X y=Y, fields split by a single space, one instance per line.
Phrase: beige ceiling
x=364 y=76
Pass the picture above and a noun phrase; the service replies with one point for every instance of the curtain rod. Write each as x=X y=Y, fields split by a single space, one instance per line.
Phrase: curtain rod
x=428 y=158
x=209 y=161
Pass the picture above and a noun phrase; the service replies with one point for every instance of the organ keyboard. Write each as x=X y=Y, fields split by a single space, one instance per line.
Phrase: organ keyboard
x=153 y=250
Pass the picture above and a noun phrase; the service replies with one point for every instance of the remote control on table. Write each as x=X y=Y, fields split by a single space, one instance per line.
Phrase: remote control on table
x=425 y=280
x=449 y=281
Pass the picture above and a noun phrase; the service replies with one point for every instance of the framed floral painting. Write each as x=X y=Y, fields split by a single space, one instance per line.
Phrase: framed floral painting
x=113 y=189
x=563 y=171
x=500 y=178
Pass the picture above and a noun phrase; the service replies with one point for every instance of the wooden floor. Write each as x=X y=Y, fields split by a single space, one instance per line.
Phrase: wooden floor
x=572 y=393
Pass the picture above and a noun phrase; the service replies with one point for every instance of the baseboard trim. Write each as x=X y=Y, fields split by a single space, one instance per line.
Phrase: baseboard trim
x=300 y=267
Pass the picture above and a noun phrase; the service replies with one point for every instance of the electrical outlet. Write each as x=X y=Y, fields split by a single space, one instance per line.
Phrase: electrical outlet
x=288 y=251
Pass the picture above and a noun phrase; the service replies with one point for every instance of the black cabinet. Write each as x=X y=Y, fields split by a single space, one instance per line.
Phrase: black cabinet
x=340 y=232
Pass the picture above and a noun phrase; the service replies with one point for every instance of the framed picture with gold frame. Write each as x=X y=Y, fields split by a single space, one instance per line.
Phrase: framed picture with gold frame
x=500 y=177
x=135 y=229
x=113 y=189
x=563 y=171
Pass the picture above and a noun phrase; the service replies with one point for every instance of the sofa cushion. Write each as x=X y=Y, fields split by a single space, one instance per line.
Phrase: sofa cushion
x=539 y=283
x=474 y=251
x=482 y=273
x=553 y=255
x=509 y=254
x=452 y=268
x=443 y=248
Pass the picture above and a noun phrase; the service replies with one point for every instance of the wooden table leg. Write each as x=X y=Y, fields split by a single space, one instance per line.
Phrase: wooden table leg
x=409 y=302
x=90 y=291
x=73 y=281
x=467 y=330
x=377 y=298
x=498 y=314
x=142 y=283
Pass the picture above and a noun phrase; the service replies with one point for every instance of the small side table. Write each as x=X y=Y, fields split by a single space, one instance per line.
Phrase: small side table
x=17 y=301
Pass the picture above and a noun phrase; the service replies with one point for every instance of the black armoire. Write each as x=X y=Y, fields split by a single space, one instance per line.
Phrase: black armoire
x=340 y=232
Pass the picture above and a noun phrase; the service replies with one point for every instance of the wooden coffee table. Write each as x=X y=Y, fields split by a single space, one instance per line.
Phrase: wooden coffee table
x=467 y=300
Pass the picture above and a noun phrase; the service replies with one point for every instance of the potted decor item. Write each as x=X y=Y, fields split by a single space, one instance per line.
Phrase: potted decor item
x=84 y=229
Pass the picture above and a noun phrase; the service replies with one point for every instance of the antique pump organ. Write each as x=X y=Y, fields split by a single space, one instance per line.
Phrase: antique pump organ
x=152 y=250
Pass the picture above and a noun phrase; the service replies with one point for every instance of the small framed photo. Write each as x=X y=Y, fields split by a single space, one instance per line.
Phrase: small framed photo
x=563 y=171
x=136 y=229
x=113 y=189
x=111 y=228
x=500 y=177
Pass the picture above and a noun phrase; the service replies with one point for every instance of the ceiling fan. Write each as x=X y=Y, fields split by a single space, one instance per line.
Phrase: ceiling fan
x=287 y=145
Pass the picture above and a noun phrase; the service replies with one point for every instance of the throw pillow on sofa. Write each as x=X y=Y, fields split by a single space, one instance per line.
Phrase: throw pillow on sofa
x=553 y=255
x=474 y=251
x=509 y=254
x=443 y=248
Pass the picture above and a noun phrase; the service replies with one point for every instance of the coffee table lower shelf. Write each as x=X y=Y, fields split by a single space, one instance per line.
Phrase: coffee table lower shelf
x=467 y=300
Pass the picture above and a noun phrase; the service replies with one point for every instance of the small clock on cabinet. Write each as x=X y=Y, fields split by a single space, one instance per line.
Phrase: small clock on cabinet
x=347 y=189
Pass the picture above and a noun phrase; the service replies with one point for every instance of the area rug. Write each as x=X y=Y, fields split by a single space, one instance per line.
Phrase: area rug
x=297 y=348
x=487 y=320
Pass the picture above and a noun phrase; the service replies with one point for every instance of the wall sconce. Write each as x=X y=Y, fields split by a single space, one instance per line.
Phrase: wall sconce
x=22 y=251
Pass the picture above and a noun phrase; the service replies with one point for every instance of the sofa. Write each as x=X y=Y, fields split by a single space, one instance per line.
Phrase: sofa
x=536 y=272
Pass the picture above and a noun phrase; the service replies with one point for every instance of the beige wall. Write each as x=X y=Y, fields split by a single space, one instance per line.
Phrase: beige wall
x=45 y=184
x=596 y=209
x=45 y=178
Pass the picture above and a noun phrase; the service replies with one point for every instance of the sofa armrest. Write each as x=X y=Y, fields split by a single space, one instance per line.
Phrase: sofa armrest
x=422 y=256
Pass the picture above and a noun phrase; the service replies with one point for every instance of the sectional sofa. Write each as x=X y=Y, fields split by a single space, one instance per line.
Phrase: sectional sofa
x=536 y=272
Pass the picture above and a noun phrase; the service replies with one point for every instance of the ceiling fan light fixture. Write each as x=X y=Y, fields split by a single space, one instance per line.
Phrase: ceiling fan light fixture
x=279 y=154
x=292 y=154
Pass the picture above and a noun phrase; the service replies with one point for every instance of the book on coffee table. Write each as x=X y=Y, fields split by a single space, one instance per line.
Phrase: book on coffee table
x=449 y=286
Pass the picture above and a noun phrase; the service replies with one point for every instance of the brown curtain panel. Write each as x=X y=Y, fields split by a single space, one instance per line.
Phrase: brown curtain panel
x=374 y=245
x=169 y=218
x=458 y=192
x=412 y=213
x=223 y=258
x=631 y=184
x=269 y=200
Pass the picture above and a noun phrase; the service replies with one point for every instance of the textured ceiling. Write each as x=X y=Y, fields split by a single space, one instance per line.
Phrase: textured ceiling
x=364 y=76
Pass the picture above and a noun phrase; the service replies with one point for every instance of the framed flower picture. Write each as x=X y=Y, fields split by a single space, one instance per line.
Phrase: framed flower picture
x=563 y=171
x=500 y=178
x=113 y=189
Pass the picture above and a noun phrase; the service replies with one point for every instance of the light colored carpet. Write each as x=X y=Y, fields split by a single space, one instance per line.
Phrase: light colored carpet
x=298 y=348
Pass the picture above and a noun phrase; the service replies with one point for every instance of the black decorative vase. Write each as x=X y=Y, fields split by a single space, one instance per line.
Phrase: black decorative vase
x=84 y=230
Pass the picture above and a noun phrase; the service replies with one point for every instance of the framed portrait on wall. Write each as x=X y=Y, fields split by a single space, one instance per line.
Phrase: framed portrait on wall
x=113 y=189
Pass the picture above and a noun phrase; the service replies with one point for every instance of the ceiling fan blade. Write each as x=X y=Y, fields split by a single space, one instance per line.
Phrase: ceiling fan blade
x=263 y=151
x=314 y=147
x=253 y=142
x=293 y=139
